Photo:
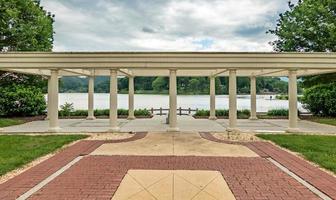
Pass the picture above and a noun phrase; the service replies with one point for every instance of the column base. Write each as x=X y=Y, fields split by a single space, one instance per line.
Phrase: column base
x=292 y=130
x=114 y=129
x=130 y=117
x=54 y=130
x=173 y=129
x=253 y=118
x=212 y=118
x=91 y=118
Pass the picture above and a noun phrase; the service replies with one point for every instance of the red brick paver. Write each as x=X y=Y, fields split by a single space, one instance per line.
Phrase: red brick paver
x=310 y=173
x=20 y=184
x=98 y=177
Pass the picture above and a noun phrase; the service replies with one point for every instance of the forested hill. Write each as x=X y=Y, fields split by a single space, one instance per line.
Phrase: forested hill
x=185 y=85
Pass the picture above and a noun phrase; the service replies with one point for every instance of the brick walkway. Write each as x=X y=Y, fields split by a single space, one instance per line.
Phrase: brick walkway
x=98 y=177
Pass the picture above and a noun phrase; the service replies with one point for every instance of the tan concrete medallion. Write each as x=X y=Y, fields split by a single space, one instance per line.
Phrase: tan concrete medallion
x=173 y=184
x=179 y=144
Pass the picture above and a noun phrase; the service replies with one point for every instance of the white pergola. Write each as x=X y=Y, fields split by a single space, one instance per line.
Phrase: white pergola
x=172 y=64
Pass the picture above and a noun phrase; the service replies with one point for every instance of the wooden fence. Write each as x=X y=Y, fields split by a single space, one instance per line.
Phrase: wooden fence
x=165 y=111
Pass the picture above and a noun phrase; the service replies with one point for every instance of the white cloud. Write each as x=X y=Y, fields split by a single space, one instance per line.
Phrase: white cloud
x=174 y=25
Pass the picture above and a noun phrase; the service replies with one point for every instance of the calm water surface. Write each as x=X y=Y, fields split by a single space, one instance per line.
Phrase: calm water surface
x=101 y=101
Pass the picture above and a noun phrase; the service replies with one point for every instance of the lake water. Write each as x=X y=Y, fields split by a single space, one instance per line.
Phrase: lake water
x=101 y=101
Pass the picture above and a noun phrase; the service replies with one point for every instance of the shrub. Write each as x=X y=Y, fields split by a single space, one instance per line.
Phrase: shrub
x=66 y=109
x=243 y=113
x=202 y=113
x=223 y=113
x=142 y=112
x=321 y=99
x=19 y=100
x=277 y=112
x=102 y=112
x=122 y=112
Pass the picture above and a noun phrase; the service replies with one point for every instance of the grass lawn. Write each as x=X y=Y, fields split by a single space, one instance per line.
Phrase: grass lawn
x=18 y=150
x=10 y=122
x=316 y=148
x=324 y=120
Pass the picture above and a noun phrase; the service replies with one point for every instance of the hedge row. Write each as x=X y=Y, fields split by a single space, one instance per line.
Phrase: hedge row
x=103 y=112
x=241 y=113
x=223 y=113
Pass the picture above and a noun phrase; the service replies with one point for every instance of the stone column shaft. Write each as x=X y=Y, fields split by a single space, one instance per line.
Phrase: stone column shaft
x=91 y=99
x=232 y=99
x=53 y=101
x=172 y=101
x=114 y=101
x=292 y=101
x=130 y=98
x=253 y=89
x=212 y=98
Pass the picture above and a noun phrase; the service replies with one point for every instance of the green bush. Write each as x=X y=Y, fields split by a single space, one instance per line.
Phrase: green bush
x=278 y=112
x=243 y=113
x=202 y=113
x=142 y=112
x=321 y=99
x=122 y=112
x=102 y=112
x=66 y=110
x=19 y=100
x=223 y=113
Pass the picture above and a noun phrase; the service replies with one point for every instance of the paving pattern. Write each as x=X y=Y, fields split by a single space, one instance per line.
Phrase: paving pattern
x=100 y=176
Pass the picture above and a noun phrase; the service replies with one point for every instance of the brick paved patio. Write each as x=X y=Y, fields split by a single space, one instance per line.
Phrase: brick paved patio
x=98 y=176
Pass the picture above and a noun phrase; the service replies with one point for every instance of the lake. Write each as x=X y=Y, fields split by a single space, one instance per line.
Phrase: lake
x=101 y=101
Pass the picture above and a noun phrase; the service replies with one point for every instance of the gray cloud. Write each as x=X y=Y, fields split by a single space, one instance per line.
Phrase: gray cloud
x=205 y=25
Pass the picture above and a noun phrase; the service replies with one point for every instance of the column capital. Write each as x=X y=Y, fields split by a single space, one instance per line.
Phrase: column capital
x=292 y=70
x=112 y=70
x=172 y=69
x=232 y=69
x=92 y=72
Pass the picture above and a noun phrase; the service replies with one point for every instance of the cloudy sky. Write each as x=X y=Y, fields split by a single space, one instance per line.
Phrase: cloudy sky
x=164 y=25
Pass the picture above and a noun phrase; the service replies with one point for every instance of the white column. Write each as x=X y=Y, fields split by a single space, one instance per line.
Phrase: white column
x=232 y=100
x=172 y=101
x=253 y=89
x=91 y=98
x=292 y=100
x=212 y=98
x=53 y=107
x=130 y=98
x=113 y=101
x=48 y=100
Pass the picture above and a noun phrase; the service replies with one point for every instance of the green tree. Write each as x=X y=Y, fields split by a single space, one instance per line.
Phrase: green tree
x=24 y=26
x=160 y=84
x=308 y=26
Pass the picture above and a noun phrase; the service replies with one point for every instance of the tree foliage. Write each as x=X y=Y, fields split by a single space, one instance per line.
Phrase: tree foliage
x=308 y=26
x=185 y=85
x=24 y=26
x=320 y=99
x=20 y=100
